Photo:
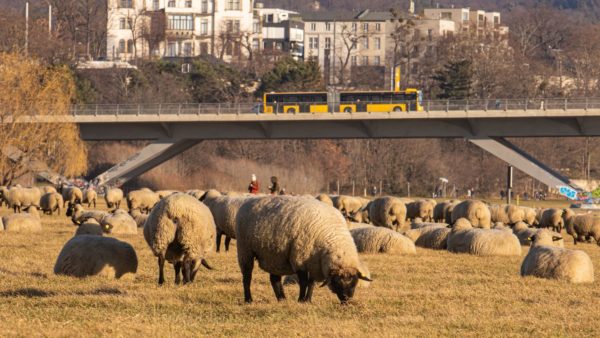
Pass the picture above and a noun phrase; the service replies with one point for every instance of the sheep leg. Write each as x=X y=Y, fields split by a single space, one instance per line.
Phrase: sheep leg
x=227 y=240
x=187 y=272
x=277 y=287
x=303 y=281
x=177 y=267
x=94 y=204
x=309 y=290
x=219 y=235
x=161 y=269
x=247 y=280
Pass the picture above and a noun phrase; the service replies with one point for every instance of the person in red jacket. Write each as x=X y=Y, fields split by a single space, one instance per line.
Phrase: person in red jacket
x=253 y=187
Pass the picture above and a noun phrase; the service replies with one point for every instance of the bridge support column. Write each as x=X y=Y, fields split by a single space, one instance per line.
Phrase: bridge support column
x=518 y=158
x=148 y=158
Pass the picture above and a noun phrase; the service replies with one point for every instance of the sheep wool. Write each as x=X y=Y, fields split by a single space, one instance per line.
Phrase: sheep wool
x=89 y=255
x=224 y=210
x=584 y=227
x=24 y=222
x=433 y=236
x=482 y=242
x=381 y=240
x=89 y=197
x=388 y=212
x=325 y=199
x=476 y=212
x=289 y=235
x=546 y=261
x=422 y=209
x=113 y=198
x=143 y=199
x=552 y=218
x=119 y=223
x=529 y=216
x=181 y=230
x=51 y=202
x=91 y=227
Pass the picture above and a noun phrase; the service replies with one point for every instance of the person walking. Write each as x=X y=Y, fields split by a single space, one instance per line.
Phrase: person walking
x=253 y=188
x=274 y=188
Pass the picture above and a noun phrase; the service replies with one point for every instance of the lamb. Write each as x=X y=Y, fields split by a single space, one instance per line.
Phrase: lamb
x=89 y=255
x=80 y=215
x=388 y=212
x=143 y=199
x=325 y=199
x=381 y=240
x=113 y=198
x=182 y=231
x=51 y=202
x=224 y=209
x=89 y=197
x=546 y=261
x=584 y=227
x=140 y=219
x=476 y=212
x=71 y=195
x=289 y=235
x=24 y=222
x=552 y=218
x=482 y=242
x=19 y=198
x=432 y=236
x=422 y=209
x=525 y=233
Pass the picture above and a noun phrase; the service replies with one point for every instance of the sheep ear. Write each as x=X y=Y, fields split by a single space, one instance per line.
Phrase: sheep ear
x=206 y=265
x=556 y=238
x=360 y=276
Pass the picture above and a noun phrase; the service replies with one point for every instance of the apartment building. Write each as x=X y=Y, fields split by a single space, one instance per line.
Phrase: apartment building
x=179 y=28
x=475 y=22
x=282 y=31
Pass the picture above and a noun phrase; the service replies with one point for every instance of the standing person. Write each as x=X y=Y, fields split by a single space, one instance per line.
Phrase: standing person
x=274 y=188
x=253 y=187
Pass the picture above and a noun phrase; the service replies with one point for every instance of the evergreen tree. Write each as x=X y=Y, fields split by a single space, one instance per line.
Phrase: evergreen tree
x=455 y=80
x=291 y=75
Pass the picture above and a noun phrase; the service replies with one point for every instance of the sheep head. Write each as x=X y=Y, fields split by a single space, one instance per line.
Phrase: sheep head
x=343 y=283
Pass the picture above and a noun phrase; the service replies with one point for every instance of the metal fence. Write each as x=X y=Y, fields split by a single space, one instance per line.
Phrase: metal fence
x=256 y=108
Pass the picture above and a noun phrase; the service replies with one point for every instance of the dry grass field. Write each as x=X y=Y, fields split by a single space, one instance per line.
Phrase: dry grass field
x=430 y=294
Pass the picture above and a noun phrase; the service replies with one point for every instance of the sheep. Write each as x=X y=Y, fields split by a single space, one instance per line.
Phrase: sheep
x=476 y=212
x=119 y=223
x=422 y=209
x=19 y=198
x=143 y=199
x=48 y=189
x=529 y=216
x=362 y=215
x=498 y=214
x=381 y=240
x=552 y=218
x=89 y=255
x=113 y=198
x=363 y=284
x=325 y=199
x=388 y=212
x=439 y=211
x=546 y=261
x=584 y=227
x=164 y=193
x=432 y=236
x=196 y=193
x=289 y=235
x=71 y=195
x=4 y=196
x=140 y=219
x=348 y=205
x=24 y=222
x=482 y=242
x=79 y=215
x=89 y=197
x=90 y=227
x=51 y=202
x=181 y=230
x=524 y=233
x=224 y=209
x=355 y=225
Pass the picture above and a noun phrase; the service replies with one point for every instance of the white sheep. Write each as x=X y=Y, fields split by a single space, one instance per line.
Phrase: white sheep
x=180 y=230
x=498 y=214
x=89 y=197
x=113 y=198
x=224 y=210
x=381 y=240
x=89 y=255
x=552 y=218
x=476 y=212
x=79 y=215
x=119 y=222
x=422 y=209
x=584 y=227
x=289 y=235
x=530 y=216
x=525 y=233
x=547 y=261
x=431 y=236
x=71 y=195
x=90 y=227
x=19 y=198
x=23 y=222
x=139 y=217
x=51 y=202
x=143 y=199
x=349 y=205
x=482 y=242
x=164 y=193
x=325 y=199
x=388 y=212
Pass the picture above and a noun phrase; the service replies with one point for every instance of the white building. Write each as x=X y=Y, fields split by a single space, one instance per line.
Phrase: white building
x=476 y=22
x=282 y=31
x=179 y=28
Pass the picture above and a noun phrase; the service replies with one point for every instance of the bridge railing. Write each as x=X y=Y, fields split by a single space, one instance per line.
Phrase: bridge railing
x=256 y=108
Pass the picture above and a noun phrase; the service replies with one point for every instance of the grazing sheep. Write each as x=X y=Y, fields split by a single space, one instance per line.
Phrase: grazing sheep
x=90 y=227
x=381 y=240
x=224 y=209
x=584 y=227
x=547 y=261
x=348 y=205
x=113 y=198
x=71 y=195
x=440 y=210
x=51 y=202
x=422 y=209
x=89 y=197
x=180 y=230
x=143 y=199
x=325 y=199
x=476 y=212
x=140 y=219
x=289 y=235
x=89 y=255
x=530 y=216
x=482 y=242
x=552 y=218
x=362 y=215
x=79 y=215
x=19 y=198
x=388 y=212
x=23 y=222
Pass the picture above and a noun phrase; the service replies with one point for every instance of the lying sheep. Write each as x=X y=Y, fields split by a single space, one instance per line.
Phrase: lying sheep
x=140 y=219
x=224 y=210
x=422 y=209
x=547 y=261
x=89 y=197
x=180 y=230
x=388 y=212
x=524 y=233
x=89 y=255
x=325 y=199
x=498 y=214
x=51 y=202
x=113 y=198
x=482 y=242
x=552 y=218
x=431 y=236
x=90 y=227
x=119 y=222
x=143 y=199
x=23 y=222
x=529 y=216
x=79 y=215
x=381 y=240
x=476 y=212
x=19 y=198
x=584 y=227
x=289 y=235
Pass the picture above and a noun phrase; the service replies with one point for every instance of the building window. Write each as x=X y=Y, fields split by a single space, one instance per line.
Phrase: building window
x=313 y=27
x=187 y=49
x=232 y=5
x=366 y=43
x=181 y=22
x=365 y=60
x=327 y=43
x=448 y=16
x=203 y=27
x=256 y=27
x=172 y=49
x=129 y=23
x=233 y=26
x=156 y=5
x=465 y=16
x=188 y=3
x=354 y=26
x=204 y=48
x=377 y=42
x=378 y=27
x=313 y=43
x=122 y=23
x=353 y=60
x=204 y=6
x=255 y=45
x=121 y=46
x=270 y=18
x=130 y=46
x=430 y=34
x=171 y=3
x=366 y=26
x=328 y=26
x=377 y=60
x=126 y=4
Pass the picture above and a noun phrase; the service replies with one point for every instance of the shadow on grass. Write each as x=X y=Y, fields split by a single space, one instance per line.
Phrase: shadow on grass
x=40 y=275
x=26 y=292
x=101 y=292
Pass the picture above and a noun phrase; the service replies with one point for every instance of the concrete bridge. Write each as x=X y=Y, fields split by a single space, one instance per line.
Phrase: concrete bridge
x=486 y=123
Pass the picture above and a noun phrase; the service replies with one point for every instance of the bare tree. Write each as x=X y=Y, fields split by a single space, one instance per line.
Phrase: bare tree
x=351 y=37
